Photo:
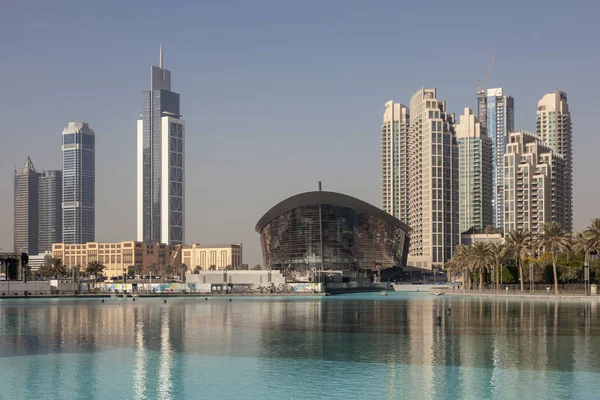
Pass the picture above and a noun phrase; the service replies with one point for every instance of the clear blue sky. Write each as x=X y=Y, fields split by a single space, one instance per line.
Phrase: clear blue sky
x=276 y=94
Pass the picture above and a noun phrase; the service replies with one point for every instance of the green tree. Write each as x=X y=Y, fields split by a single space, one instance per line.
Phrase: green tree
x=491 y=230
x=458 y=264
x=257 y=267
x=519 y=244
x=480 y=258
x=583 y=244
x=57 y=268
x=497 y=252
x=95 y=268
x=594 y=232
x=553 y=239
x=131 y=272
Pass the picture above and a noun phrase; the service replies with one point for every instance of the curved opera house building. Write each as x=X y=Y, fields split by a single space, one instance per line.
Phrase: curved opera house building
x=331 y=238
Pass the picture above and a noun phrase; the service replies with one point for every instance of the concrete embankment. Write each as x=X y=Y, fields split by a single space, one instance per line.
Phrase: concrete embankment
x=541 y=296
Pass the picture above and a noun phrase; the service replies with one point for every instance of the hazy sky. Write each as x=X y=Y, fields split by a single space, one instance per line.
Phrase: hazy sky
x=276 y=95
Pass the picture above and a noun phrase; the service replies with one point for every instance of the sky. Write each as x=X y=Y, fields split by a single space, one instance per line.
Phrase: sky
x=276 y=95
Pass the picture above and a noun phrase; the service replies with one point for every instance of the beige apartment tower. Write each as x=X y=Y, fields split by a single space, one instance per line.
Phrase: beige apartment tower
x=534 y=184
x=433 y=181
x=394 y=160
x=555 y=130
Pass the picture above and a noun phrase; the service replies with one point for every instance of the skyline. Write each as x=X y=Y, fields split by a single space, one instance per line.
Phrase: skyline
x=258 y=79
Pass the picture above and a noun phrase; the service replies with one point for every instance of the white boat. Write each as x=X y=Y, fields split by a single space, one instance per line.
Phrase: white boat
x=437 y=293
x=383 y=293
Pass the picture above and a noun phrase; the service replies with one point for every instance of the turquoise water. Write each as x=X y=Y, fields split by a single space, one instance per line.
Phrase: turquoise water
x=340 y=347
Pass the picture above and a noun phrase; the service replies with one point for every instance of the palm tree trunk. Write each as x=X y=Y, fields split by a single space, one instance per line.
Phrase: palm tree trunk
x=554 y=271
x=480 y=279
x=496 y=275
x=521 y=275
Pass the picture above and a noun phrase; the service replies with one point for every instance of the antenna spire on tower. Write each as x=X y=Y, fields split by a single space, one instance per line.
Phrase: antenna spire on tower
x=161 y=57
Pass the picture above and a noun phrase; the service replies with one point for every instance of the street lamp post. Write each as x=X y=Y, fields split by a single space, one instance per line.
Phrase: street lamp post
x=586 y=277
x=531 y=284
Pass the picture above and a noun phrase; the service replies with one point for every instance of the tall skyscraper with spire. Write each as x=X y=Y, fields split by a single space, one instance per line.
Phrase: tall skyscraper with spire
x=26 y=209
x=160 y=162
x=78 y=183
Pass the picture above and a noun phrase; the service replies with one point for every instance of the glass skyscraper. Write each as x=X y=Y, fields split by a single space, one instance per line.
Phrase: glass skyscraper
x=500 y=122
x=78 y=183
x=160 y=163
x=49 y=209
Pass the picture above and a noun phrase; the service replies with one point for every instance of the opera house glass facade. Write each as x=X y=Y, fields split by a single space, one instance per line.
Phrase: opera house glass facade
x=331 y=238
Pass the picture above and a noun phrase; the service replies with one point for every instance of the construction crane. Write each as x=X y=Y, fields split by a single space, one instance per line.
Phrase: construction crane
x=481 y=92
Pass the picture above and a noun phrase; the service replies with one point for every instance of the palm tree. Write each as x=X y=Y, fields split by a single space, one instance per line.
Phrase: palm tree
x=58 y=268
x=497 y=251
x=480 y=257
x=459 y=264
x=519 y=244
x=95 y=268
x=594 y=232
x=583 y=243
x=554 y=239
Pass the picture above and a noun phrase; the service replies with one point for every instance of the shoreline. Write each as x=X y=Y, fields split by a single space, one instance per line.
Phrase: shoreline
x=541 y=296
x=156 y=295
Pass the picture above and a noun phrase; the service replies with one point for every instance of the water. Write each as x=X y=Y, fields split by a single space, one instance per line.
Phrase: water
x=340 y=347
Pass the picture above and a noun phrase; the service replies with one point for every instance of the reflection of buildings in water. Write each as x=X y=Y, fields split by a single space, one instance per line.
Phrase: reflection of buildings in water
x=166 y=358
x=420 y=348
x=141 y=358
x=498 y=337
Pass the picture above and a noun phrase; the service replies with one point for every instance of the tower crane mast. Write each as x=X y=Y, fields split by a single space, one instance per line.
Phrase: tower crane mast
x=481 y=92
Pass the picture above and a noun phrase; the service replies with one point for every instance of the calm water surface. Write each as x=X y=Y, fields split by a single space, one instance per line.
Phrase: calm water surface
x=341 y=347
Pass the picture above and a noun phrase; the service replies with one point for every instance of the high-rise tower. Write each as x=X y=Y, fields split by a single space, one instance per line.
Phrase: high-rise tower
x=500 y=123
x=160 y=163
x=26 y=209
x=475 y=174
x=433 y=181
x=49 y=209
x=394 y=160
x=555 y=130
x=78 y=183
x=535 y=187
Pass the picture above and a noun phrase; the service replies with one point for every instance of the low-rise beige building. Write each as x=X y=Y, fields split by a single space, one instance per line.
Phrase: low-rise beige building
x=212 y=257
x=118 y=257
